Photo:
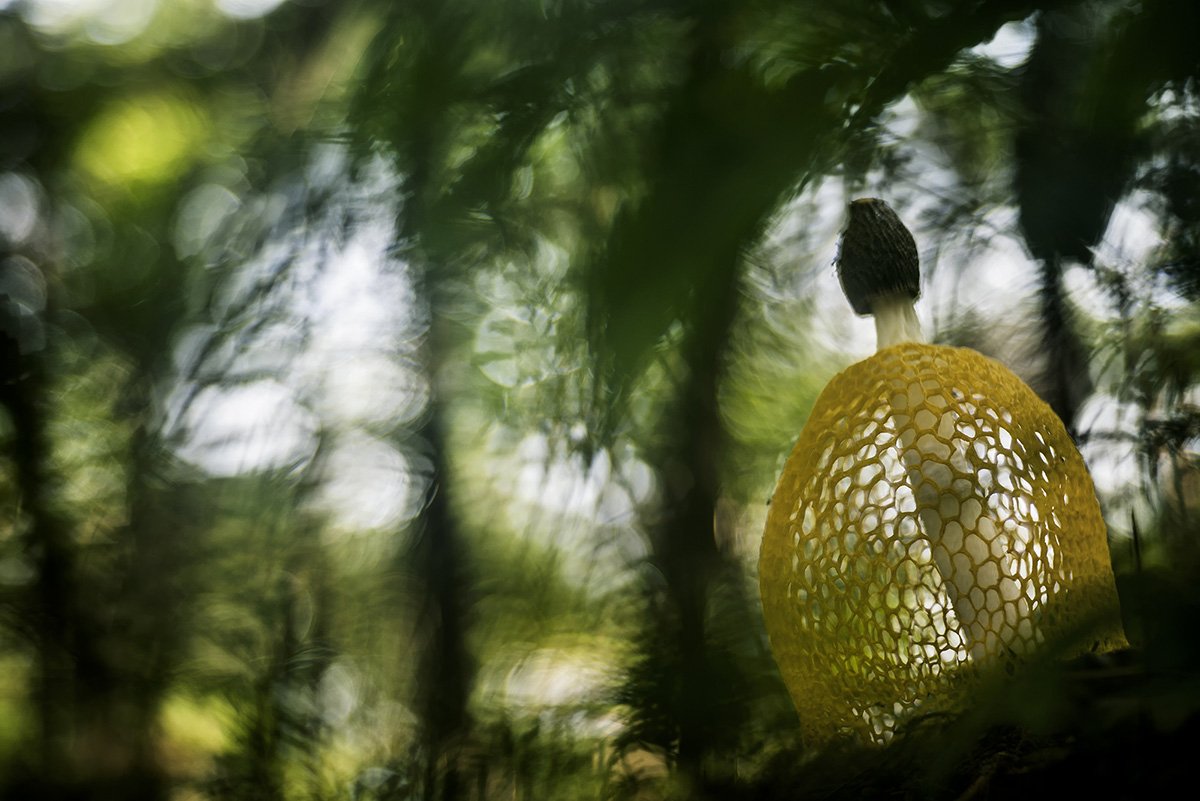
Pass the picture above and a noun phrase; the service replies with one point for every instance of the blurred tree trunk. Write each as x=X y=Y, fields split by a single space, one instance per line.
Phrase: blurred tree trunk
x=444 y=668
x=708 y=703
x=52 y=612
x=445 y=672
x=105 y=614
x=1075 y=155
x=100 y=652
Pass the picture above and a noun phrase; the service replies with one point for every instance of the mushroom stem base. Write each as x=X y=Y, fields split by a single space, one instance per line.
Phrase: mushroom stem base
x=895 y=321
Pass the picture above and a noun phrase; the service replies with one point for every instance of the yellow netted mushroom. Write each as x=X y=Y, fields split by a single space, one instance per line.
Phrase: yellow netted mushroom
x=933 y=518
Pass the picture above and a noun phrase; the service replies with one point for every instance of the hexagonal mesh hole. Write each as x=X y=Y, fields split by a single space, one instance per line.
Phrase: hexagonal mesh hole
x=934 y=516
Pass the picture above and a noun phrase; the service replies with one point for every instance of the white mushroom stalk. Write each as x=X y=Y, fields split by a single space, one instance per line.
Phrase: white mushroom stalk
x=895 y=321
x=880 y=273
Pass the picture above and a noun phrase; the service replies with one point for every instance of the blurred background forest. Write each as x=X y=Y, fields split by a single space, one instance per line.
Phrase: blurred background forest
x=391 y=392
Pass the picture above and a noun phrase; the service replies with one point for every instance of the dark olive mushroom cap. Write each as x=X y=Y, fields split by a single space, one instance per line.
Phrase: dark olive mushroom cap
x=878 y=256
